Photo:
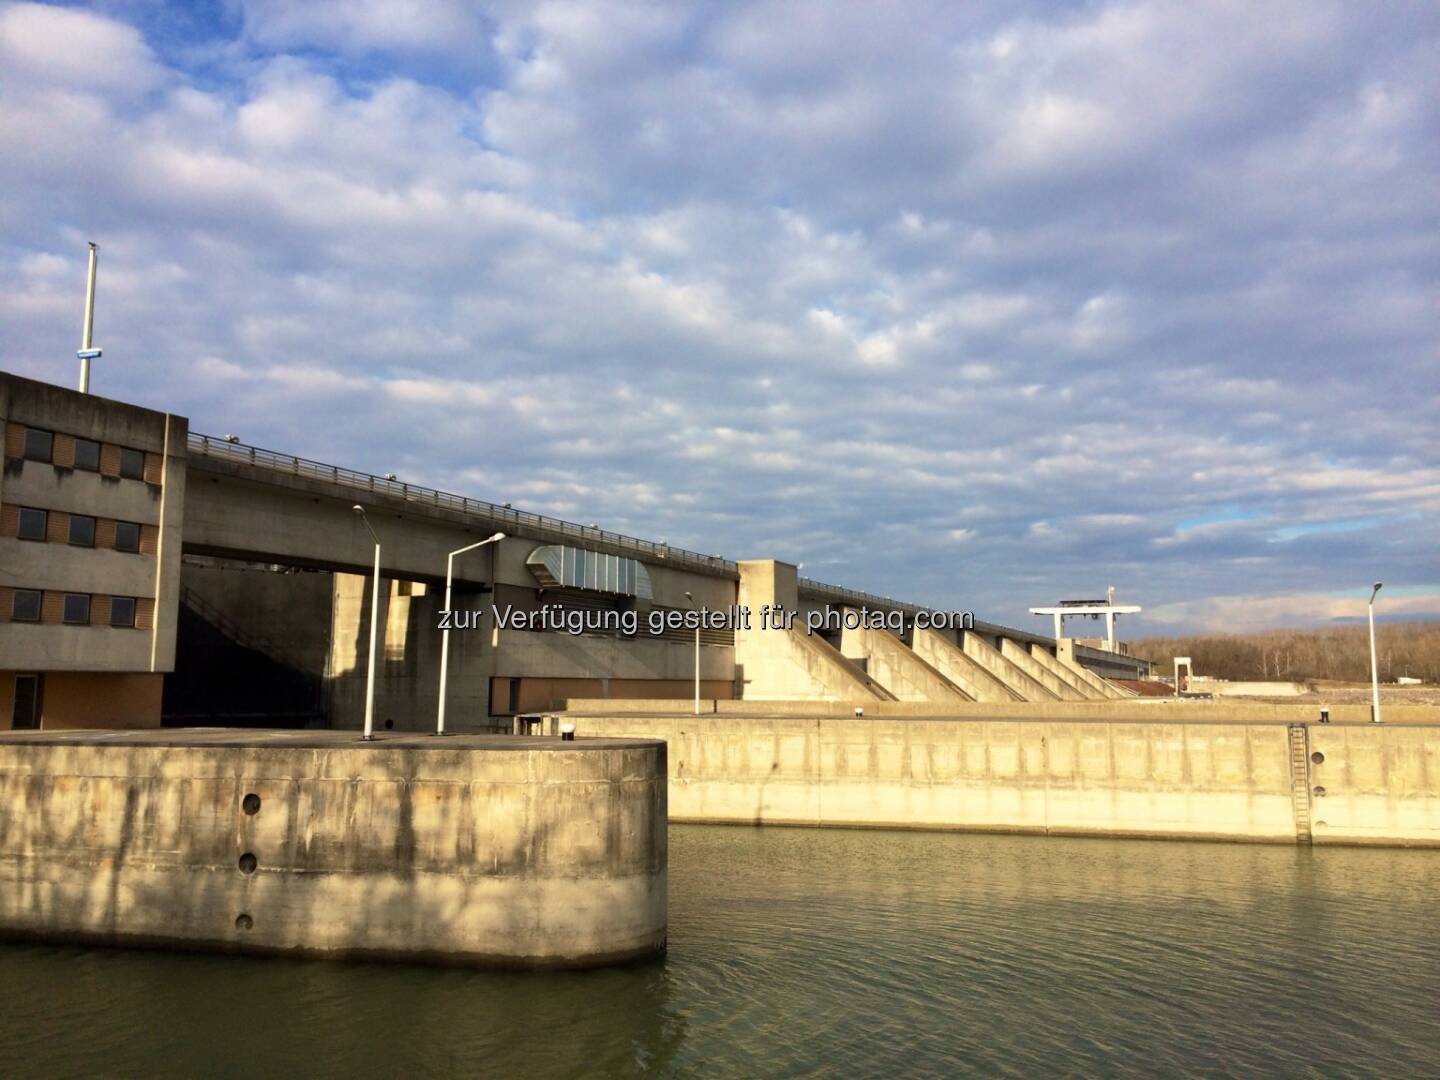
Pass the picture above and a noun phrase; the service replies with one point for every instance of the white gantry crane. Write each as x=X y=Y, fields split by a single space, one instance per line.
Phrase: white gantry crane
x=1093 y=609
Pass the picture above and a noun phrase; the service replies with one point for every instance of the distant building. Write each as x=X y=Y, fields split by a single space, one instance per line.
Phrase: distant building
x=91 y=497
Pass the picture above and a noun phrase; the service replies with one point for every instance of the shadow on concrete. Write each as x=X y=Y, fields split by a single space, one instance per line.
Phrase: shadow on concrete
x=224 y=679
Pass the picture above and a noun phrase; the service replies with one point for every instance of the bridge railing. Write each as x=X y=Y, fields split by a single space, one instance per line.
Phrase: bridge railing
x=291 y=464
x=240 y=453
x=850 y=596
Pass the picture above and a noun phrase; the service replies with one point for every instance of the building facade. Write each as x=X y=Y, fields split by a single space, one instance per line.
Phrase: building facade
x=91 y=501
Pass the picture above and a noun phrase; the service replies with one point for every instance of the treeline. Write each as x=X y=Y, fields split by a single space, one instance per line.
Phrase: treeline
x=1341 y=653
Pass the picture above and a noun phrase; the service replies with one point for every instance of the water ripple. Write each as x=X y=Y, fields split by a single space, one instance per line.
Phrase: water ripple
x=830 y=953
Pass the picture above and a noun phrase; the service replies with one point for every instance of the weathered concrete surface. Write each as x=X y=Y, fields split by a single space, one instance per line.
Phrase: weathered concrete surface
x=1230 y=780
x=989 y=657
x=1163 y=709
x=1086 y=690
x=893 y=664
x=1065 y=657
x=1374 y=784
x=950 y=660
x=1096 y=673
x=1018 y=655
x=478 y=850
x=789 y=664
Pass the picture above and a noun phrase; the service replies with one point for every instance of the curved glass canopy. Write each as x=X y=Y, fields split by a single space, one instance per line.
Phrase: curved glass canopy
x=557 y=565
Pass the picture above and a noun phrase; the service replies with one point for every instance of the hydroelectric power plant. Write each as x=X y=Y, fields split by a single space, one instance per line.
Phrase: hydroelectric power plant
x=226 y=672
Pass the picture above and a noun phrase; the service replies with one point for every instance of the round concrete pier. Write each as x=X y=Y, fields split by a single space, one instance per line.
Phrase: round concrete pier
x=493 y=850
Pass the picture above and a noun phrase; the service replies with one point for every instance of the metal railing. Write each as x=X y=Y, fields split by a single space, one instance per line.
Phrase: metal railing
x=558 y=528
x=290 y=464
x=849 y=596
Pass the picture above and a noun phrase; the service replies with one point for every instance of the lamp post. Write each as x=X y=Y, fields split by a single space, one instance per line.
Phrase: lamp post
x=445 y=634
x=374 y=627
x=697 y=654
x=1374 y=667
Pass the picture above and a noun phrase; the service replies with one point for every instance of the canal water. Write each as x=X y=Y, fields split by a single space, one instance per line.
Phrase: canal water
x=799 y=952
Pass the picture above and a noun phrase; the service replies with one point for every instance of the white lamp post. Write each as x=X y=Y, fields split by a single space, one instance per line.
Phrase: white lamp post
x=445 y=634
x=1374 y=667
x=374 y=627
x=697 y=655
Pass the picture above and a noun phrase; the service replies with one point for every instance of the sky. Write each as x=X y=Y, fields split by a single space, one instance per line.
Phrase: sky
x=981 y=306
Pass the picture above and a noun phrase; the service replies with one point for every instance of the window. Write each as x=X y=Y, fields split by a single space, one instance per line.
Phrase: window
x=25 y=607
x=122 y=611
x=82 y=530
x=87 y=455
x=39 y=445
x=132 y=464
x=127 y=536
x=32 y=525
x=77 y=608
x=26 y=713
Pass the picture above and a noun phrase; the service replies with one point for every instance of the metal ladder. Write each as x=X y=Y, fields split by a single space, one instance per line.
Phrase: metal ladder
x=1300 y=781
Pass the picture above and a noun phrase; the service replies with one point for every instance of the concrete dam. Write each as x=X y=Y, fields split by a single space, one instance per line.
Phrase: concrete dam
x=1193 y=771
x=478 y=850
x=172 y=598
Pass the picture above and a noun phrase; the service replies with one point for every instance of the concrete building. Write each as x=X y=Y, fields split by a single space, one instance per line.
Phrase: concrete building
x=248 y=576
x=91 y=498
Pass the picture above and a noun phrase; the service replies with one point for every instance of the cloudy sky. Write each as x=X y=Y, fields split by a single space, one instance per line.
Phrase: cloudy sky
x=979 y=305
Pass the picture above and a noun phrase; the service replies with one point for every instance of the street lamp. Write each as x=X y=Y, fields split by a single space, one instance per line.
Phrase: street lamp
x=374 y=627
x=1374 y=667
x=697 y=654
x=445 y=634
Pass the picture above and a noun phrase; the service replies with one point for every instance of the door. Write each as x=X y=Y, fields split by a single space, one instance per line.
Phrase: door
x=27 y=703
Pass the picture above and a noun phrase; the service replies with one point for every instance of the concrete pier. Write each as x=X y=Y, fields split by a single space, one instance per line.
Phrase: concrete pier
x=479 y=850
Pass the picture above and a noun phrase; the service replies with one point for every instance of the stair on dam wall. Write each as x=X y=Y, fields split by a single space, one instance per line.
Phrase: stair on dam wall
x=232 y=631
x=990 y=658
x=1300 y=781
x=1065 y=657
x=948 y=658
x=1062 y=688
x=1104 y=687
x=888 y=659
x=1083 y=687
x=810 y=668
x=831 y=655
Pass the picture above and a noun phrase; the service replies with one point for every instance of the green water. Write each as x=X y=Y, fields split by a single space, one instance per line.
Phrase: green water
x=826 y=953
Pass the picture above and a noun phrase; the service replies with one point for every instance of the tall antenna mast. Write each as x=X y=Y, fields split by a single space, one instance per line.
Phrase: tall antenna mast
x=87 y=350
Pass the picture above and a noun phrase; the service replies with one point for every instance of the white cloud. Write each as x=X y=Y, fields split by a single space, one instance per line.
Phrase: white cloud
x=64 y=49
x=778 y=276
